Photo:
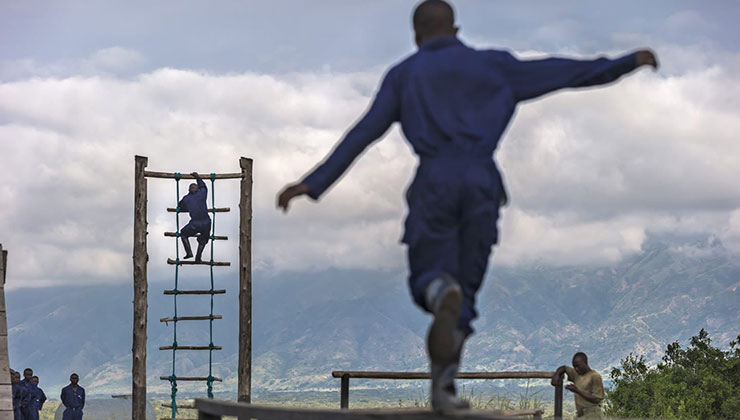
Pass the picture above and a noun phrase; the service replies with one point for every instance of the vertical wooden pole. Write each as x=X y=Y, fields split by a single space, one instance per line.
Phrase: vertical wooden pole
x=244 y=391
x=6 y=390
x=559 y=400
x=344 y=393
x=138 y=370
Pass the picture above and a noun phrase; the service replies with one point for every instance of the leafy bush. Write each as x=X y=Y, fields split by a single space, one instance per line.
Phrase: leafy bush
x=699 y=382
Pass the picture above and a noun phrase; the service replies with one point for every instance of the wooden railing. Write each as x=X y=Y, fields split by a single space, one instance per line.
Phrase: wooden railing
x=346 y=375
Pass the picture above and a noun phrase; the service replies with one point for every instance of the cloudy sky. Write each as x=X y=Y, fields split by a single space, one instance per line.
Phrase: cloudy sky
x=194 y=85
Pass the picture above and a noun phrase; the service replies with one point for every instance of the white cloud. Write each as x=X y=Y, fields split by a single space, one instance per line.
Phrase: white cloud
x=590 y=173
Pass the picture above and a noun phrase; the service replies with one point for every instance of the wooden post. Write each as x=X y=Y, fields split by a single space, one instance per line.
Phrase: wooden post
x=344 y=393
x=244 y=392
x=6 y=394
x=138 y=370
x=559 y=400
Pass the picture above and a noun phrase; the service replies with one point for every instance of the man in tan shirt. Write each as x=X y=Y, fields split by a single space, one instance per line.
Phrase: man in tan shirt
x=587 y=387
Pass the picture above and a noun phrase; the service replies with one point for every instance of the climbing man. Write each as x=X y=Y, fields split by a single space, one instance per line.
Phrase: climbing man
x=73 y=399
x=195 y=203
x=453 y=103
x=28 y=394
x=38 y=400
x=587 y=388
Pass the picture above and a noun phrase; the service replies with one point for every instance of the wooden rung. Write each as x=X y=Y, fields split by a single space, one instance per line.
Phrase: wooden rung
x=215 y=238
x=176 y=418
x=183 y=406
x=190 y=318
x=170 y=261
x=218 y=210
x=195 y=292
x=190 y=348
x=190 y=378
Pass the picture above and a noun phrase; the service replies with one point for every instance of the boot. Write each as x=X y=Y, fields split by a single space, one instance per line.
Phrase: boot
x=443 y=392
x=199 y=252
x=188 y=250
x=443 y=299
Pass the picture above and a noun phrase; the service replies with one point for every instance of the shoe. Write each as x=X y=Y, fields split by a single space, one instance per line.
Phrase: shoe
x=199 y=253
x=188 y=250
x=444 y=297
x=443 y=392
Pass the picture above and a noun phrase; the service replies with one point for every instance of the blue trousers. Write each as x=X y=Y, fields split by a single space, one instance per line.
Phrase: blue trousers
x=197 y=226
x=72 y=414
x=451 y=226
x=30 y=413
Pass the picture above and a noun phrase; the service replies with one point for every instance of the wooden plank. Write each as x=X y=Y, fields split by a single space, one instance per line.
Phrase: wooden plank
x=244 y=384
x=138 y=369
x=191 y=378
x=3 y=263
x=215 y=237
x=425 y=375
x=242 y=410
x=210 y=210
x=190 y=347
x=171 y=175
x=170 y=261
x=190 y=318
x=195 y=292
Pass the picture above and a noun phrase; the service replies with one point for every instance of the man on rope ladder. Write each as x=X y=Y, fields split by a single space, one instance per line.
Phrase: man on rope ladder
x=453 y=103
x=196 y=204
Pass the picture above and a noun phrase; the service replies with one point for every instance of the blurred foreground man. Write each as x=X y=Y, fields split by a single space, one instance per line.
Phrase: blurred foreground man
x=73 y=399
x=587 y=388
x=453 y=103
x=38 y=399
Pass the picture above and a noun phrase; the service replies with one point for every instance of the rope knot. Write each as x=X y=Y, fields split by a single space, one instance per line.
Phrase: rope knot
x=178 y=175
x=213 y=176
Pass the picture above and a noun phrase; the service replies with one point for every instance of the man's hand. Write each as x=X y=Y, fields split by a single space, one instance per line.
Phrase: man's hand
x=572 y=388
x=290 y=192
x=646 y=58
x=195 y=175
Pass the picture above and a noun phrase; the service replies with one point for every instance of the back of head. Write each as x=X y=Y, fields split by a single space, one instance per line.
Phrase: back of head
x=434 y=18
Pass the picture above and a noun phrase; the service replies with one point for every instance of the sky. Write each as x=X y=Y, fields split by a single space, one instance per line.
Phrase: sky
x=194 y=85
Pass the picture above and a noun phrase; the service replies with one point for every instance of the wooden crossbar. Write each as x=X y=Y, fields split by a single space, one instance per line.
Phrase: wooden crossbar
x=218 y=210
x=190 y=318
x=216 y=237
x=190 y=347
x=171 y=175
x=170 y=261
x=195 y=292
x=191 y=378
x=426 y=375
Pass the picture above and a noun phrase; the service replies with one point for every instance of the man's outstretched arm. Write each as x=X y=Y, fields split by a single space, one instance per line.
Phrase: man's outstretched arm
x=384 y=110
x=532 y=78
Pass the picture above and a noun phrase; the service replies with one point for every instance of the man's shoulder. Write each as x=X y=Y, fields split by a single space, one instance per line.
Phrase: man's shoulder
x=593 y=374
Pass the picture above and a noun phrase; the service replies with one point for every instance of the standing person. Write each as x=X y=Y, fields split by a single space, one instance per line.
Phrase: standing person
x=195 y=203
x=587 y=387
x=15 y=382
x=453 y=103
x=73 y=399
x=39 y=398
x=29 y=392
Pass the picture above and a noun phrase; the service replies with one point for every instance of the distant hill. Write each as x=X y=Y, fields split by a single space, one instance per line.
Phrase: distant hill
x=306 y=325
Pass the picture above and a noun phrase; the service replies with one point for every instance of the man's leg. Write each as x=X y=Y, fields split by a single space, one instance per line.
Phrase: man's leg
x=185 y=233
x=203 y=238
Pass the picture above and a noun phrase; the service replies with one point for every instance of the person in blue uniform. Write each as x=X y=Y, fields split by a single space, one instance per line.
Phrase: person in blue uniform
x=73 y=399
x=454 y=103
x=17 y=391
x=38 y=399
x=28 y=394
x=195 y=203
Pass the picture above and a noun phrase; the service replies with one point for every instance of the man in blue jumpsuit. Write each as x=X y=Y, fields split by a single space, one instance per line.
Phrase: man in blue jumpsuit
x=38 y=400
x=453 y=103
x=18 y=391
x=195 y=203
x=28 y=394
x=73 y=399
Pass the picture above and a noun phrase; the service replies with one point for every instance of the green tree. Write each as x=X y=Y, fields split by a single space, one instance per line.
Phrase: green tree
x=698 y=382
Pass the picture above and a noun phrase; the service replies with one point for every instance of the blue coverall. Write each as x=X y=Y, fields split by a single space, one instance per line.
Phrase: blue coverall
x=454 y=103
x=37 y=403
x=18 y=392
x=27 y=400
x=73 y=401
x=195 y=203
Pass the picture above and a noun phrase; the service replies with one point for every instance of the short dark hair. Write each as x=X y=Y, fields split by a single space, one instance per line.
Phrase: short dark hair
x=27 y=370
x=581 y=354
x=34 y=377
x=433 y=16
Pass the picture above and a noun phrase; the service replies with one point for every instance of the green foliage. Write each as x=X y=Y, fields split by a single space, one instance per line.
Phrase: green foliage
x=700 y=381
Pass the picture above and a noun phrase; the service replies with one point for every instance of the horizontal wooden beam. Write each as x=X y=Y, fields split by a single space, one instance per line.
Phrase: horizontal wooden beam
x=183 y=406
x=171 y=175
x=218 y=210
x=425 y=375
x=195 y=292
x=190 y=318
x=170 y=261
x=217 y=238
x=191 y=378
x=191 y=348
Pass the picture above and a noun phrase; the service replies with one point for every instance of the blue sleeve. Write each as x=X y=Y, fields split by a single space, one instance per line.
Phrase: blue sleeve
x=42 y=398
x=532 y=78
x=183 y=205
x=82 y=390
x=383 y=112
x=64 y=398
